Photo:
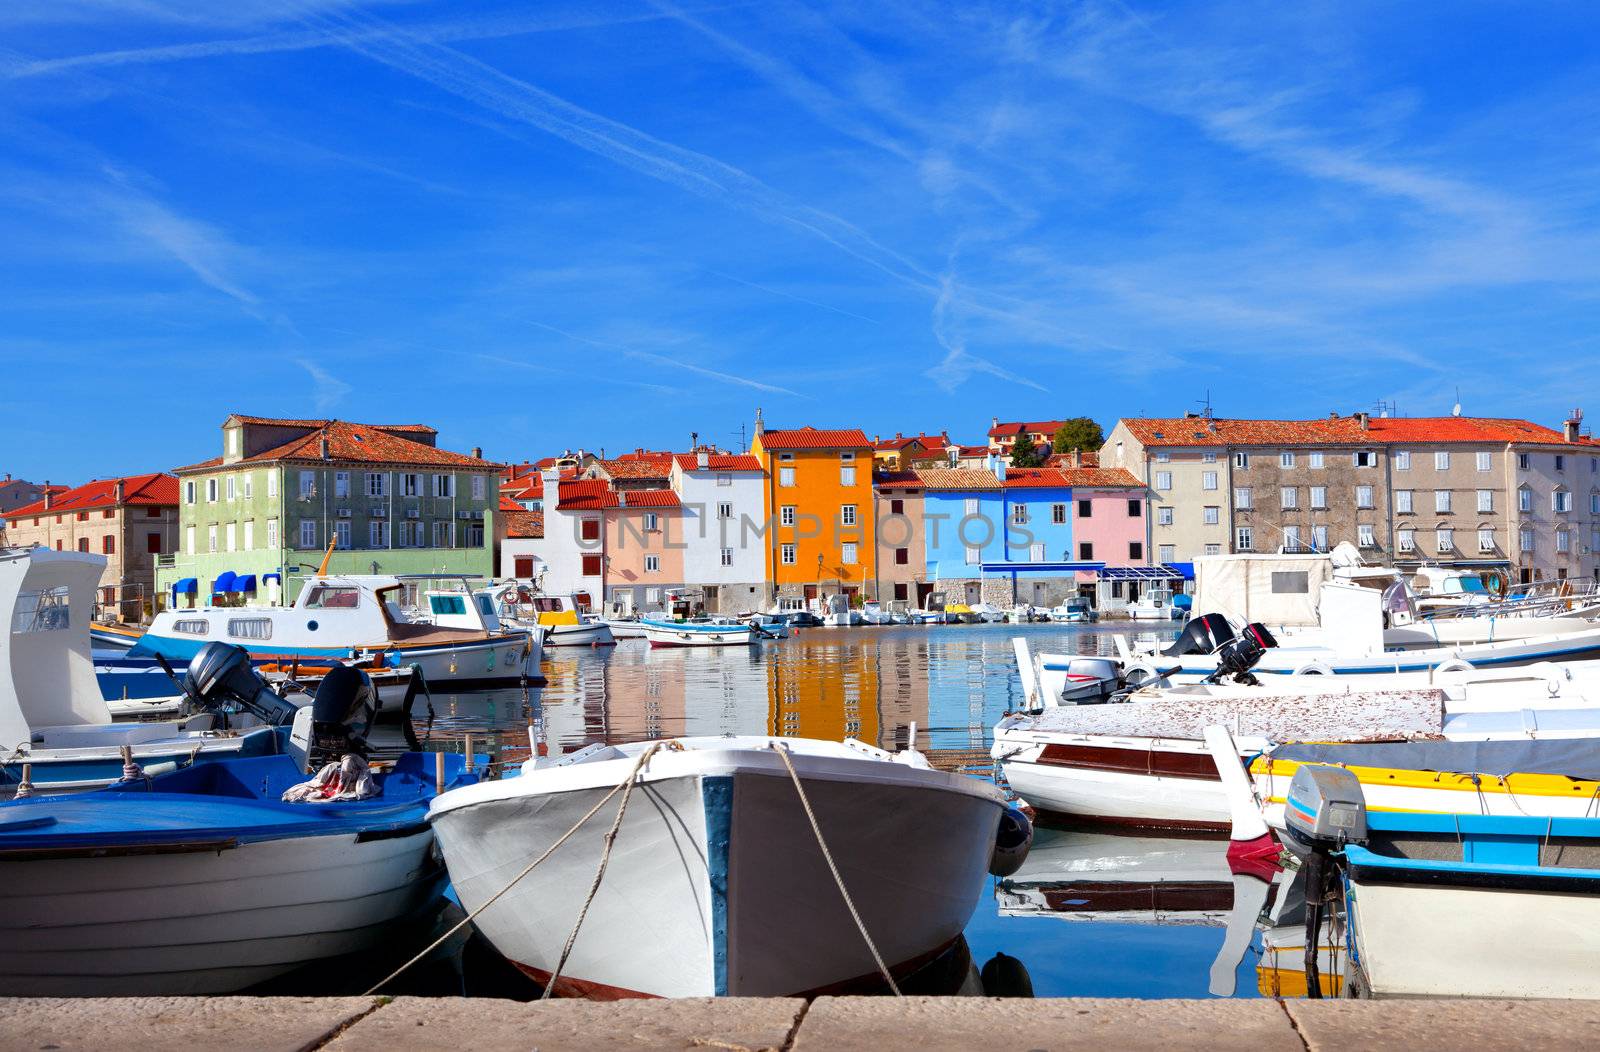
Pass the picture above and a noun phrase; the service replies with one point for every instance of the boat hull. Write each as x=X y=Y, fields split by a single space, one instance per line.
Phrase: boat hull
x=1128 y=782
x=584 y=635
x=93 y=766
x=205 y=921
x=740 y=899
x=699 y=636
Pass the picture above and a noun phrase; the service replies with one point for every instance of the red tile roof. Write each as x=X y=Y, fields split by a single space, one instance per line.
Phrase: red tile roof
x=720 y=462
x=896 y=478
x=1100 y=477
x=523 y=524
x=1087 y=458
x=811 y=438
x=1468 y=429
x=1340 y=431
x=364 y=443
x=272 y=421
x=1014 y=428
x=957 y=479
x=930 y=442
x=631 y=467
x=153 y=490
x=1033 y=478
x=649 y=498
x=585 y=495
x=529 y=488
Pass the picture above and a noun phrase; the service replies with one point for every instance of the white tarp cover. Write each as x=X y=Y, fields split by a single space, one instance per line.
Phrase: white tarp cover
x=1273 y=589
x=1374 y=715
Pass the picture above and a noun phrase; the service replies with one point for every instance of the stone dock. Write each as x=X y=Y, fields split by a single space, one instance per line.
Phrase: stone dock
x=928 y=1024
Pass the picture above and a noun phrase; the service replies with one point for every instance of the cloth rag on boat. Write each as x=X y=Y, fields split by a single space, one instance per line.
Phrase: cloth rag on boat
x=349 y=779
x=1358 y=716
x=1572 y=757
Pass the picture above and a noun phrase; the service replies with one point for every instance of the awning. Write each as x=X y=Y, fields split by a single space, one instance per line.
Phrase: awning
x=224 y=582
x=187 y=586
x=245 y=582
x=271 y=577
x=1185 y=569
x=1142 y=573
x=1039 y=567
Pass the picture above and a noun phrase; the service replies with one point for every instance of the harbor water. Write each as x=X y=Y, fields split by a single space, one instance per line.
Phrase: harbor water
x=1093 y=913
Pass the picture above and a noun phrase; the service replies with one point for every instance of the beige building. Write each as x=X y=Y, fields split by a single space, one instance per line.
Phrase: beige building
x=902 y=548
x=1487 y=493
x=132 y=521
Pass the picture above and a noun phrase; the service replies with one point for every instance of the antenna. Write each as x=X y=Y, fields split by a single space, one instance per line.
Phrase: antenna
x=1206 y=404
x=1456 y=411
x=1384 y=408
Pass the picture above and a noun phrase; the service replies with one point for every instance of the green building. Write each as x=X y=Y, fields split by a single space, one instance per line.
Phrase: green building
x=254 y=523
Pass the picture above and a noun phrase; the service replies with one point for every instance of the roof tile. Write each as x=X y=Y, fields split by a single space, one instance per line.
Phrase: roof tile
x=811 y=438
x=957 y=479
x=144 y=490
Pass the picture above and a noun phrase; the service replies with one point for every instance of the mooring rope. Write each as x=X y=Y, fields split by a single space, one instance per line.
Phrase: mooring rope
x=468 y=919
x=783 y=754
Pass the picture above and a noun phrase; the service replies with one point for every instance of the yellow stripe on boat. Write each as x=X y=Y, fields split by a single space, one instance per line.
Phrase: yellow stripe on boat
x=1527 y=784
x=558 y=617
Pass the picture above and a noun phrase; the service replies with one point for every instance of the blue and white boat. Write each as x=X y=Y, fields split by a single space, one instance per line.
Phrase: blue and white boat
x=697 y=634
x=202 y=881
x=358 y=617
x=53 y=717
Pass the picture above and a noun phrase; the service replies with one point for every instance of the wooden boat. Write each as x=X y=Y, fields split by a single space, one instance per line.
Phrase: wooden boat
x=564 y=619
x=701 y=634
x=717 y=885
x=202 y=881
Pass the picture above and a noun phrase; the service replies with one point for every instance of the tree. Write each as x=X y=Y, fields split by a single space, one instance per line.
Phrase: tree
x=1024 y=454
x=1078 y=433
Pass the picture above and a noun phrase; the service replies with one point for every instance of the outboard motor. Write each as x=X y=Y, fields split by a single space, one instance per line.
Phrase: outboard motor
x=1323 y=811
x=221 y=680
x=1011 y=842
x=1202 y=635
x=344 y=698
x=1239 y=655
x=1090 y=681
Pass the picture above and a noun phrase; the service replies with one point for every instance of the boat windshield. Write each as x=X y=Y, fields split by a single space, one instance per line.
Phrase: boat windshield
x=1465 y=584
x=333 y=597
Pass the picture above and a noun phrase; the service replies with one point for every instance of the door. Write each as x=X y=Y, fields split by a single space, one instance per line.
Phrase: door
x=1040 y=595
x=974 y=593
x=1133 y=592
x=810 y=592
x=524 y=567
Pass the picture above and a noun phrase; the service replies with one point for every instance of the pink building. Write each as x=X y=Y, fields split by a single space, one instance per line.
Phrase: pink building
x=1109 y=525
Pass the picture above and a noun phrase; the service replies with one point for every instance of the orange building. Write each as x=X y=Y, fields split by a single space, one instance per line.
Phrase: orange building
x=819 y=510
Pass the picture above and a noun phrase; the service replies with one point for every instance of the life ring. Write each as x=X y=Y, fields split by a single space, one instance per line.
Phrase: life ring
x=1314 y=668
x=1454 y=665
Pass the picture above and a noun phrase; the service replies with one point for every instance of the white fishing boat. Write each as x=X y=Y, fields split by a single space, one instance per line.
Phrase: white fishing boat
x=1075 y=611
x=698 y=634
x=565 y=619
x=836 y=611
x=873 y=613
x=717 y=884
x=624 y=627
x=53 y=718
x=988 y=613
x=1154 y=605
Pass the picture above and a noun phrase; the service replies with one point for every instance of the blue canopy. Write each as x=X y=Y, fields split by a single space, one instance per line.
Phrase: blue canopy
x=245 y=582
x=223 y=583
x=271 y=577
x=186 y=586
x=1186 y=569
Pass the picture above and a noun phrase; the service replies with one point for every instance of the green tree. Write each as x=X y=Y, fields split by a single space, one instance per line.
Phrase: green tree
x=1078 y=433
x=1024 y=454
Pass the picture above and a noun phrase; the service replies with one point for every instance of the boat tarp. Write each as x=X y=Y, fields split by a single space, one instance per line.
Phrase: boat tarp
x=1572 y=757
x=1273 y=589
x=1375 y=715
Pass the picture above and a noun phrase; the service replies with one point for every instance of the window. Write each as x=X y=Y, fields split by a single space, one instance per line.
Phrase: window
x=308 y=533
x=1524 y=499
x=786 y=476
x=233 y=488
x=341 y=483
x=1241 y=460
x=1058 y=514
x=1163 y=516
x=197 y=627
x=971 y=506
x=211 y=538
x=1212 y=515
x=1364 y=496
x=974 y=555
x=1286 y=460
x=725 y=510
x=1213 y=549
x=847 y=474
x=1291 y=538
x=444 y=533
x=1486 y=500
x=1319 y=538
x=724 y=479
x=1168 y=553
x=786 y=555
x=652 y=564
x=1290 y=582
x=1522 y=461
x=1441 y=461
x=272 y=533
x=1288 y=497
x=652 y=521
x=1485 y=461
x=589 y=530
x=1135 y=550
x=375 y=487
x=1244 y=539
x=847 y=553
x=1319 y=498
x=477 y=487
x=1163 y=456
x=272 y=483
x=1241 y=498
x=592 y=564
x=1085 y=509
x=727 y=557
x=1315 y=460
x=1163 y=480
x=108 y=545
x=1485 y=540
x=410 y=485
x=152 y=543
x=1563 y=541
x=1561 y=501
x=847 y=514
x=308 y=484
x=1208 y=480
x=231 y=534
x=188 y=494
x=786 y=515
x=1561 y=462
x=1208 y=458
x=249 y=535
x=1447 y=540
x=211 y=491
x=1019 y=515
x=444 y=485
x=1085 y=551
x=846 y=455
x=1135 y=508
x=1402 y=460
x=377 y=532
x=1363 y=458
x=1365 y=537
x=902 y=556
x=248 y=484
x=1594 y=504
x=1525 y=540
x=897 y=507
x=1406 y=540
x=1441 y=500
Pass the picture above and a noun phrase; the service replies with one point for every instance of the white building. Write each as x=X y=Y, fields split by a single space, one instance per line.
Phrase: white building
x=724 y=552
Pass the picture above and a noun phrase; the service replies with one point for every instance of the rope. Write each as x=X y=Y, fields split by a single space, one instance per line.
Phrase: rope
x=783 y=754
x=529 y=869
x=599 y=873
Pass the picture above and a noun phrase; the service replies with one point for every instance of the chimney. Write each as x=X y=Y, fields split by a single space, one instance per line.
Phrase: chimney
x=323 y=447
x=47 y=499
x=994 y=422
x=477 y=452
x=702 y=460
x=1077 y=457
x=1333 y=414
x=761 y=428
x=1571 y=425
x=1363 y=418
x=117 y=491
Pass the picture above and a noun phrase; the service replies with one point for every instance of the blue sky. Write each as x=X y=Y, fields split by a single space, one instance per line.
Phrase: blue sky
x=613 y=223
